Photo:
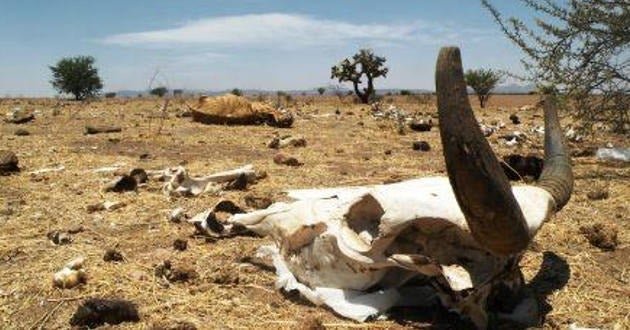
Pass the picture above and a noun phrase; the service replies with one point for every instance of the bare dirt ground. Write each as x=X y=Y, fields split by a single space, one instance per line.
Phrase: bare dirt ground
x=582 y=283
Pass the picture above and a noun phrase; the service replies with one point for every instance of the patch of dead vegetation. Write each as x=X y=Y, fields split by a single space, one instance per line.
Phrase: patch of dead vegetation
x=231 y=289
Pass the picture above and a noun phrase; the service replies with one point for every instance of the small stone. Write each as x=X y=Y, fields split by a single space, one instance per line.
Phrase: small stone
x=515 y=120
x=421 y=146
x=597 y=194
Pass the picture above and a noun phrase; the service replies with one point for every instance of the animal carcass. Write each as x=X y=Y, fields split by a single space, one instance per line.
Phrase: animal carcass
x=236 y=110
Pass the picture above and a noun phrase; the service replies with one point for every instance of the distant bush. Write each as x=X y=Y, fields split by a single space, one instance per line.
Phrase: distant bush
x=110 y=95
x=159 y=91
x=178 y=92
x=236 y=92
x=405 y=92
x=321 y=90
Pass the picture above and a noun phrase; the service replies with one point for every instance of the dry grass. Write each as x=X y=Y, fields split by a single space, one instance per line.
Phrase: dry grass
x=584 y=285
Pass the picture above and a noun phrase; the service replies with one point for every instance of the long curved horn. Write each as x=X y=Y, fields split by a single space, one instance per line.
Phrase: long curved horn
x=557 y=176
x=480 y=186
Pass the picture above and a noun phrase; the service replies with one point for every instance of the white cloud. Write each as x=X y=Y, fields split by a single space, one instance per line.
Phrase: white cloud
x=280 y=30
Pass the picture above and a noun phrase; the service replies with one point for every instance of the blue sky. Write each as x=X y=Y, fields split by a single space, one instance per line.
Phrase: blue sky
x=249 y=44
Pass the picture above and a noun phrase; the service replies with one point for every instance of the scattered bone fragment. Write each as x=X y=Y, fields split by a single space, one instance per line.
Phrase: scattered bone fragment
x=59 y=237
x=287 y=141
x=19 y=116
x=105 y=206
x=101 y=129
x=48 y=170
x=179 y=183
x=71 y=275
x=176 y=215
x=95 y=312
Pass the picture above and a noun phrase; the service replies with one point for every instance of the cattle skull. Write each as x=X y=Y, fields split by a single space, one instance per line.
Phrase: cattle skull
x=463 y=236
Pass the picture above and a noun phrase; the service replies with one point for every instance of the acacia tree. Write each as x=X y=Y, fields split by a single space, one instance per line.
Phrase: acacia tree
x=321 y=90
x=482 y=82
x=77 y=76
x=364 y=63
x=581 y=48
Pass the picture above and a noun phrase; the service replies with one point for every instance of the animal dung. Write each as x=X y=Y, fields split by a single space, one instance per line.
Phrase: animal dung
x=421 y=146
x=112 y=255
x=101 y=129
x=180 y=244
x=174 y=274
x=122 y=184
x=603 y=236
x=139 y=174
x=22 y=132
x=257 y=202
x=516 y=167
x=8 y=162
x=597 y=194
x=283 y=159
x=515 y=120
x=71 y=275
x=95 y=312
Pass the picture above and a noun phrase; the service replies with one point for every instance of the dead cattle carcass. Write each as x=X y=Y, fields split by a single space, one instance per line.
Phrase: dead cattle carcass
x=455 y=240
x=236 y=110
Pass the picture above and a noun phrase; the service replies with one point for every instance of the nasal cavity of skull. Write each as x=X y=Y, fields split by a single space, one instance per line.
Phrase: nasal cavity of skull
x=364 y=218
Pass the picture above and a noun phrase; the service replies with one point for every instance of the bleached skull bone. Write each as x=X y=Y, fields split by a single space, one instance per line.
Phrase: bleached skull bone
x=463 y=234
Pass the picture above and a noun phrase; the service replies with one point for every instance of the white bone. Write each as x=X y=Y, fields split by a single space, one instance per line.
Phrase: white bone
x=352 y=238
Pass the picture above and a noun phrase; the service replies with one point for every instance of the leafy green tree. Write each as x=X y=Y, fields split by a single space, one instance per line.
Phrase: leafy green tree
x=77 y=76
x=581 y=48
x=159 y=91
x=236 y=92
x=321 y=90
x=482 y=82
x=364 y=63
